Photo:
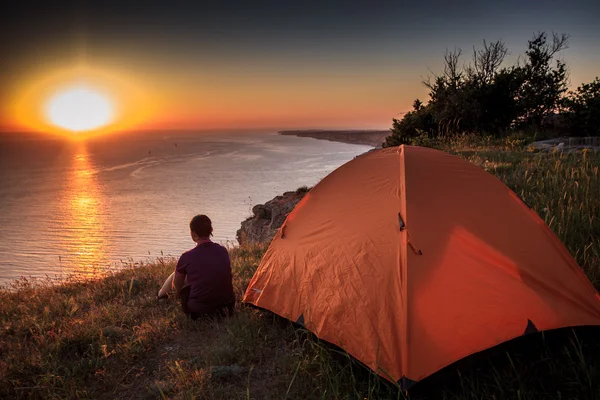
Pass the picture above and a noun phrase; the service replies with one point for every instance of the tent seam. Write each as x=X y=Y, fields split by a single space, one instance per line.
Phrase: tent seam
x=403 y=260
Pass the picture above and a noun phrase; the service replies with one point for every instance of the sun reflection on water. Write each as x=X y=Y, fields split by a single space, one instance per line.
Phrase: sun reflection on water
x=83 y=237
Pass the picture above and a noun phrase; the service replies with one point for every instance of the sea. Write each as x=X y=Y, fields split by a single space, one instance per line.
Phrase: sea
x=77 y=208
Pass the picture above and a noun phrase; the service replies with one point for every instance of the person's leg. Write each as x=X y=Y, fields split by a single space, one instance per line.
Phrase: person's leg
x=166 y=287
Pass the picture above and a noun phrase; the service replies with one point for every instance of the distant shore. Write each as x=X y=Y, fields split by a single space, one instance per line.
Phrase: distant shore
x=367 y=137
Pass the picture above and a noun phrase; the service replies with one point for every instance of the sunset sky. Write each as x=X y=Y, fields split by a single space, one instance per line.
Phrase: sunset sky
x=262 y=64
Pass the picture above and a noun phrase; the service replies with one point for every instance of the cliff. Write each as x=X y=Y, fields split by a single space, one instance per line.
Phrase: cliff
x=367 y=137
x=268 y=217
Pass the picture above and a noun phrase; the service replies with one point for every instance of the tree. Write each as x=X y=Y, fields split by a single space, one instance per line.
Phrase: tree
x=473 y=99
x=486 y=62
x=543 y=85
x=485 y=97
x=582 y=109
x=417 y=104
x=493 y=89
x=417 y=122
x=499 y=107
x=448 y=103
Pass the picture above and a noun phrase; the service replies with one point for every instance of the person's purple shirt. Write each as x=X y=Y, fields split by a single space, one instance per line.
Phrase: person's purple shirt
x=208 y=271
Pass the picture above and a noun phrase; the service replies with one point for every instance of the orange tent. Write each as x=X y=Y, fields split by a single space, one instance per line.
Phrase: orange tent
x=411 y=259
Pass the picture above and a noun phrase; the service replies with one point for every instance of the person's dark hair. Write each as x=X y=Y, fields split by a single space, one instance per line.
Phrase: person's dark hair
x=201 y=225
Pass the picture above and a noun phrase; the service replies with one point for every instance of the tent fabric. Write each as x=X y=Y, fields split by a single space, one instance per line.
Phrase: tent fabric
x=410 y=259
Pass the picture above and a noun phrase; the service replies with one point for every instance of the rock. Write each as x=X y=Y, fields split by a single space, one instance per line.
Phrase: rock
x=260 y=211
x=224 y=372
x=113 y=332
x=268 y=217
x=568 y=144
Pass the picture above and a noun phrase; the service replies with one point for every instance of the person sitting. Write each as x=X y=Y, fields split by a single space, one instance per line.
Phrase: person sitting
x=202 y=277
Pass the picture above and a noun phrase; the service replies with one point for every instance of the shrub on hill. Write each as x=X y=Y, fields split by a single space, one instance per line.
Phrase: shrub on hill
x=488 y=98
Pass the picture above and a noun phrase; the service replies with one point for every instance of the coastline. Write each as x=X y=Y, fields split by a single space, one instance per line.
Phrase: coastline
x=372 y=138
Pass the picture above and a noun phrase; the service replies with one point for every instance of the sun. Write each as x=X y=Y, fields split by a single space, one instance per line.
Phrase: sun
x=80 y=108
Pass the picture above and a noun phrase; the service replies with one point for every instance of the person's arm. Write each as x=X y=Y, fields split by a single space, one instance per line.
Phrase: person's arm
x=178 y=282
x=180 y=274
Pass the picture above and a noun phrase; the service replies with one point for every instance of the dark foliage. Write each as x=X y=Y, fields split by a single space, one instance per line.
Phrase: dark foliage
x=542 y=86
x=582 y=110
x=486 y=98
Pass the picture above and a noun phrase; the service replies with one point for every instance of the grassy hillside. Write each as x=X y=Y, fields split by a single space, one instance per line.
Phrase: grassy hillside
x=110 y=338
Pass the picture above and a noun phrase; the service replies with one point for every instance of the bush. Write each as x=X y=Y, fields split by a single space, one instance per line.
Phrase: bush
x=486 y=98
x=582 y=110
x=419 y=122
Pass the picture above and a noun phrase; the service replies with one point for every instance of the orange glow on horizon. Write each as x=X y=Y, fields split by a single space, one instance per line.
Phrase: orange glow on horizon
x=193 y=97
x=130 y=105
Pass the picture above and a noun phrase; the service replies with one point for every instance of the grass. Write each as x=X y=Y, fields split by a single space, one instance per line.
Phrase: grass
x=109 y=338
